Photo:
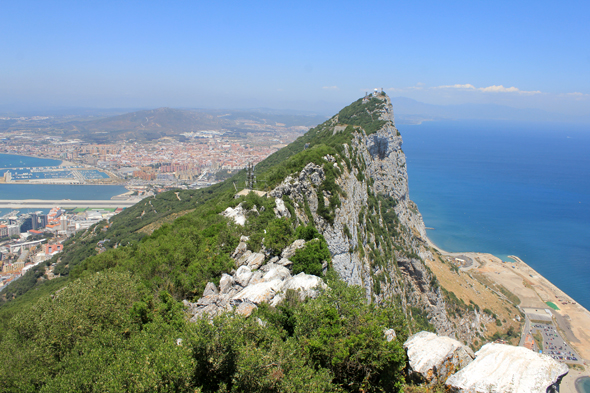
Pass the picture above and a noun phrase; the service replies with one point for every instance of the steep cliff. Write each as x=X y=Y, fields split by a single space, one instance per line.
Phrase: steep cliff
x=375 y=233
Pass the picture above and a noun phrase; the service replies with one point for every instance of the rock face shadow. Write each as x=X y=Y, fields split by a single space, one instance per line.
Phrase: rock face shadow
x=379 y=147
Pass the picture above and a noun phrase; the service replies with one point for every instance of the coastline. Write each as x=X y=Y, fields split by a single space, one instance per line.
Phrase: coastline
x=534 y=291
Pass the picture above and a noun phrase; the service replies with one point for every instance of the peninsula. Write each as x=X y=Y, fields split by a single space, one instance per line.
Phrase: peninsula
x=322 y=279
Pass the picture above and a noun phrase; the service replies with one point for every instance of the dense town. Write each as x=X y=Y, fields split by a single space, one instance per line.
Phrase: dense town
x=200 y=159
x=29 y=239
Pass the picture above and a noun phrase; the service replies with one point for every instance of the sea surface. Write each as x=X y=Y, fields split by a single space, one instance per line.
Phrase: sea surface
x=59 y=191
x=507 y=188
x=49 y=191
x=13 y=161
x=583 y=384
x=30 y=168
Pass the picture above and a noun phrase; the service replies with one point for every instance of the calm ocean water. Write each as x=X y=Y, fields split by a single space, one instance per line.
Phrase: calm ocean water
x=507 y=189
x=12 y=161
x=49 y=191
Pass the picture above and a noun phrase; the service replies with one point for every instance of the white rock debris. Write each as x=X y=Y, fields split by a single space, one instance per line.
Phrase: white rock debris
x=254 y=282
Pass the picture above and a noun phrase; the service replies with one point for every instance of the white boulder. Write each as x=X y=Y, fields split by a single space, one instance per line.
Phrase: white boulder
x=241 y=248
x=243 y=275
x=243 y=258
x=276 y=272
x=255 y=260
x=261 y=292
x=389 y=335
x=305 y=284
x=238 y=214
x=290 y=251
x=225 y=283
x=508 y=369
x=280 y=209
x=434 y=358
x=210 y=289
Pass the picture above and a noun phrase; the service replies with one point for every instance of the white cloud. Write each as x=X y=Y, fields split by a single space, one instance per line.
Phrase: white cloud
x=330 y=87
x=456 y=86
x=502 y=89
x=576 y=95
x=489 y=89
x=499 y=89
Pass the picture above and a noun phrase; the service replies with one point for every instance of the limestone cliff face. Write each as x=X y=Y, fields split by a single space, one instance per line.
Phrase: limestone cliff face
x=389 y=265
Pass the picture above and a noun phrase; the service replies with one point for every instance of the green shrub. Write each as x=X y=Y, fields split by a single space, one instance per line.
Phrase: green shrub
x=344 y=334
x=309 y=258
x=279 y=234
x=307 y=232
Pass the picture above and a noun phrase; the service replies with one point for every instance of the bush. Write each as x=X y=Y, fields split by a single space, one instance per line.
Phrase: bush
x=279 y=234
x=310 y=258
x=344 y=334
x=307 y=232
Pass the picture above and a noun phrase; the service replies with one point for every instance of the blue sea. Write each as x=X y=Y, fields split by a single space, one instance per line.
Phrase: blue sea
x=20 y=168
x=508 y=189
x=49 y=191
x=13 y=161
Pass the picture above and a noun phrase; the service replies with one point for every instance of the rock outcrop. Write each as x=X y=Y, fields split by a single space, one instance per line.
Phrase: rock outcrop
x=375 y=233
x=434 y=358
x=500 y=368
x=255 y=282
x=372 y=173
x=238 y=214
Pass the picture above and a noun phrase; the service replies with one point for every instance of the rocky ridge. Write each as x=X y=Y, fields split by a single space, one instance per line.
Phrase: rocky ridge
x=360 y=255
x=255 y=281
x=375 y=235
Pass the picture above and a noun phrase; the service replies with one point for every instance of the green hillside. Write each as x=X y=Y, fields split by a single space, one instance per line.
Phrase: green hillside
x=115 y=320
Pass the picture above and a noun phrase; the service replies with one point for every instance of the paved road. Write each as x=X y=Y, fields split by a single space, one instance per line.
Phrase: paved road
x=525 y=330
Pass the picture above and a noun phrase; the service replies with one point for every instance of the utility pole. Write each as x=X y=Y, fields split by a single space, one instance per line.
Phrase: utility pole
x=251 y=178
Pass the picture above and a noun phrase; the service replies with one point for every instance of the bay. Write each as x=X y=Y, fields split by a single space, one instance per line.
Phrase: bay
x=14 y=161
x=508 y=189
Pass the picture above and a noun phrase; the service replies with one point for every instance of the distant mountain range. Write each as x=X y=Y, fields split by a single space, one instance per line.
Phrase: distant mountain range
x=409 y=111
x=145 y=125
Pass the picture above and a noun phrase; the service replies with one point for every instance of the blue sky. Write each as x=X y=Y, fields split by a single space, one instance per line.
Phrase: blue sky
x=300 y=55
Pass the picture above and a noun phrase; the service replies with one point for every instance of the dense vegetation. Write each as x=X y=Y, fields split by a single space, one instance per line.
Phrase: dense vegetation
x=110 y=332
x=365 y=115
x=114 y=321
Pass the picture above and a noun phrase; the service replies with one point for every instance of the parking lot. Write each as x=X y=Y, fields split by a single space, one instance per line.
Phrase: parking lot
x=553 y=344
